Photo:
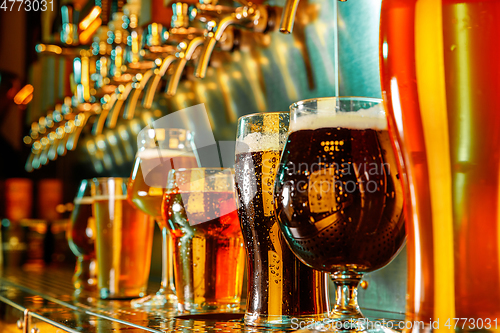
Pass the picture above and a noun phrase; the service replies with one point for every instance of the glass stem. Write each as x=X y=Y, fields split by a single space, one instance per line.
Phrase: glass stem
x=164 y=262
x=346 y=284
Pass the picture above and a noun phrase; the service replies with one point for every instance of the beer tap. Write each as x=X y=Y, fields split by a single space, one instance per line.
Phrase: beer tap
x=248 y=16
x=139 y=85
x=160 y=72
x=186 y=52
x=186 y=48
x=288 y=16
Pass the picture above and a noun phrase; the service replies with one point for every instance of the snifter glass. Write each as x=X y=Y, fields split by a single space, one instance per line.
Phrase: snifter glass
x=159 y=151
x=338 y=195
x=280 y=287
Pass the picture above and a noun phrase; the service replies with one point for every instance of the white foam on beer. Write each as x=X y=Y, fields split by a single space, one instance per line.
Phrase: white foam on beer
x=255 y=142
x=84 y=201
x=372 y=118
x=109 y=197
x=149 y=154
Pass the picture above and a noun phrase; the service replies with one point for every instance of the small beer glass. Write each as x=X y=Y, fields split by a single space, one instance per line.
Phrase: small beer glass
x=200 y=208
x=124 y=238
x=280 y=287
x=81 y=239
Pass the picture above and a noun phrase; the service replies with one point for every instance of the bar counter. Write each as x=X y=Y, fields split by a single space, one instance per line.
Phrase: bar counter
x=42 y=301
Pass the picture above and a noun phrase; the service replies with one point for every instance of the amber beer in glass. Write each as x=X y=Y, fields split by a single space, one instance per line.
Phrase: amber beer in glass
x=280 y=287
x=124 y=238
x=209 y=258
x=81 y=239
x=440 y=73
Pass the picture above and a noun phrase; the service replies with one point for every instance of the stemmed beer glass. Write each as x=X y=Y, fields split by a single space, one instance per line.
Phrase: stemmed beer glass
x=338 y=195
x=159 y=151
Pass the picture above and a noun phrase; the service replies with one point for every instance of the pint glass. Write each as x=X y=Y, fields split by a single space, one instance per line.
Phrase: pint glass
x=200 y=208
x=440 y=73
x=124 y=238
x=280 y=287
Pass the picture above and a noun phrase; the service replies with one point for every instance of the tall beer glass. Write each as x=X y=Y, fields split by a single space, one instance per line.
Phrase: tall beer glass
x=200 y=208
x=124 y=239
x=280 y=287
x=440 y=74
x=159 y=151
x=81 y=239
x=338 y=197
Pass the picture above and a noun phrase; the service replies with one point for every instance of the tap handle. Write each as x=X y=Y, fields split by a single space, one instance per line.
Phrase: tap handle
x=288 y=16
x=131 y=103
x=115 y=110
x=173 y=83
x=79 y=123
x=101 y=120
x=185 y=56
x=206 y=54
x=147 y=102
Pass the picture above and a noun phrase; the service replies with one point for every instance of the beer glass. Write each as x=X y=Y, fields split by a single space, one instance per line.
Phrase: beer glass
x=124 y=239
x=200 y=208
x=81 y=238
x=159 y=151
x=280 y=287
x=338 y=195
x=441 y=81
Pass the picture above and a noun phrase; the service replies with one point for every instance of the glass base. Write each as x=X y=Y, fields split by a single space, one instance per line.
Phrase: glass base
x=282 y=322
x=158 y=300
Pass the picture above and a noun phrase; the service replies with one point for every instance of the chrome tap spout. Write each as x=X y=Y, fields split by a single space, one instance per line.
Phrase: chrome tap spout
x=185 y=55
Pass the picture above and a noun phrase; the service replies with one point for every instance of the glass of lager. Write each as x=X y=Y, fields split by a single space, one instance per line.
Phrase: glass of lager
x=81 y=239
x=159 y=151
x=338 y=197
x=200 y=208
x=124 y=239
x=281 y=289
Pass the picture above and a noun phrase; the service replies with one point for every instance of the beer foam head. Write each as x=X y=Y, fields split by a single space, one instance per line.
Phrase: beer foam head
x=84 y=201
x=255 y=142
x=371 y=118
x=149 y=154
x=109 y=197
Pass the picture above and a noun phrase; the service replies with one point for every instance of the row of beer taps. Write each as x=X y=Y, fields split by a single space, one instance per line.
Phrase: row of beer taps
x=118 y=67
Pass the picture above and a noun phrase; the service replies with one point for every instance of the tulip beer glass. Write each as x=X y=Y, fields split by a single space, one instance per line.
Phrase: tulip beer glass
x=338 y=197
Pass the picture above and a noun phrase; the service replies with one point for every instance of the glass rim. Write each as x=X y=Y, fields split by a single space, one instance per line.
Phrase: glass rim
x=303 y=102
x=107 y=178
x=201 y=168
x=169 y=128
x=262 y=113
